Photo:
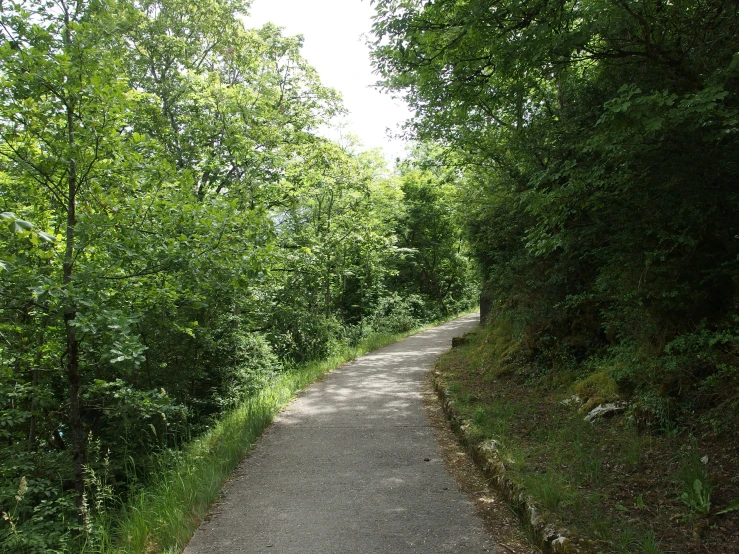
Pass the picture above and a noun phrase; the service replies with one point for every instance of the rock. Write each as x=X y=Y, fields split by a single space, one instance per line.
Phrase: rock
x=573 y=400
x=490 y=447
x=459 y=341
x=605 y=410
x=562 y=545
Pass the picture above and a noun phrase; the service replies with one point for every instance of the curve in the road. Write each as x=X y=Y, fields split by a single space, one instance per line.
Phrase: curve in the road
x=351 y=467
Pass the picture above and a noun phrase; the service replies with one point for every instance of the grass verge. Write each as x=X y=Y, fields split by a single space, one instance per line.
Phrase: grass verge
x=622 y=489
x=162 y=517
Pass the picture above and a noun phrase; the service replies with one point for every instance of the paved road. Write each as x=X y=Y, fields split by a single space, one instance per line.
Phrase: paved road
x=351 y=467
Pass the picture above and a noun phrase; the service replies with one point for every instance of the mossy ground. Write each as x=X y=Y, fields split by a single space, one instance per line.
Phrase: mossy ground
x=628 y=489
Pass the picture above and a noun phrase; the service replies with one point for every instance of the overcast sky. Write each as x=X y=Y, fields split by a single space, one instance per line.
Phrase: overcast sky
x=335 y=33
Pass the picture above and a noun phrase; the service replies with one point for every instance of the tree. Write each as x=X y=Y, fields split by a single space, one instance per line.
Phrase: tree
x=335 y=240
x=436 y=264
x=146 y=146
x=63 y=106
x=598 y=142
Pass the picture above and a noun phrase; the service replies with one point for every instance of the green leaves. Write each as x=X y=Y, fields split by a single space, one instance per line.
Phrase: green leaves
x=597 y=145
x=732 y=507
x=24 y=229
x=14 y=224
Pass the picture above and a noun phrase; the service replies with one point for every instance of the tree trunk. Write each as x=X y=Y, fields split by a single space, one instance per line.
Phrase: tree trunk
x=73 y=346
x=38 y=358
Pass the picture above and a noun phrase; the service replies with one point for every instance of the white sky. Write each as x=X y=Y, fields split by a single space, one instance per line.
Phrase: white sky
x=335 y=34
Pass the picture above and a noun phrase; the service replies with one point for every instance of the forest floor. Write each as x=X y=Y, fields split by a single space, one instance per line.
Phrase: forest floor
x=624 y=490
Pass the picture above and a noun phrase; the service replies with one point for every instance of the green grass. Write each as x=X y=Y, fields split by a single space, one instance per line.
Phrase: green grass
x=162 y=517
x=650 y=545
x=550 y=489
x=590 y=477
x=694 y=481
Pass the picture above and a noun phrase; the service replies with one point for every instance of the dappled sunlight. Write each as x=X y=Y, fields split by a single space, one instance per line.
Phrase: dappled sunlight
x=379 y=388
x=352 y=462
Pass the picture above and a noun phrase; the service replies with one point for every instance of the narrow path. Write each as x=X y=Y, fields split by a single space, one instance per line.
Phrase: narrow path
x=351 y=467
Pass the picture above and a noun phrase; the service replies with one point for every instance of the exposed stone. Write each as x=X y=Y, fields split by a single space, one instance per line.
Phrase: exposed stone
x=490 y=447
x=459 y=341
x=562 y=545
x=605 y=410
x=573 y=400
x=550 y=537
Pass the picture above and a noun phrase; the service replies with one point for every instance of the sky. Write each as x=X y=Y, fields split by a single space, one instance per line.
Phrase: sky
x=335 y=33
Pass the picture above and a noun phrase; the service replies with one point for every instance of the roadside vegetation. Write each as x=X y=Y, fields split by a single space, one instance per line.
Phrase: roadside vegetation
x=162 y=516
x=176 y=238
x=178 y=249
x=596 y=144
x=617 y=483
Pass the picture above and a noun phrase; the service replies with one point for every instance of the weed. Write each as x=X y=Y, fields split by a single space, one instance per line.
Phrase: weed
x=589 y=464
x=527 y=528
x=632 y=446
x=550 y=490
x=694 y=480
x=627 y=541
x=732 y=507
x=600 y=525
x=649 y=544
x=623 y=541
x=479 y=417
x=10 y=517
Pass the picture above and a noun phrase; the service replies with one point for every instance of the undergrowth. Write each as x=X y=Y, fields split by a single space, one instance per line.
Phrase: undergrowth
x=624 y=487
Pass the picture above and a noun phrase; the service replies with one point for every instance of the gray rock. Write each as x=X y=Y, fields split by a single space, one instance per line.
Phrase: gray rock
x=490 y=447
x=573 y=400
x=605 y=410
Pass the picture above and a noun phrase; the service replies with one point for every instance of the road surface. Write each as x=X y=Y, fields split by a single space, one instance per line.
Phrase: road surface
x=351 y=467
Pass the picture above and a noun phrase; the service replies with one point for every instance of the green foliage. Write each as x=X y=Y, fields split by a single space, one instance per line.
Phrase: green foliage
x=596 y=144
x=132 y=420
x=732 y=507
x=650 y=544
x=257 y=365
x=695 y=482
x=550 y=490
x=435 y=262
x=164 y=515
x=396 y=314
x=174 y=238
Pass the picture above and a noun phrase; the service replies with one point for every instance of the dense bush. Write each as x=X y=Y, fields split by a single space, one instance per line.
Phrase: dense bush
x=173 y=235
x=598 y=141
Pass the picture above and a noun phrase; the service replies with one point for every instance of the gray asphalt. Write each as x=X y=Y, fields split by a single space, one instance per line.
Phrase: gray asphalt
x=351 y=467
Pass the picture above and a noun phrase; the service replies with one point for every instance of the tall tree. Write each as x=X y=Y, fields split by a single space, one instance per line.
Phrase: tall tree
x=62 y=111
x=599 y=145
x=436 y=263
